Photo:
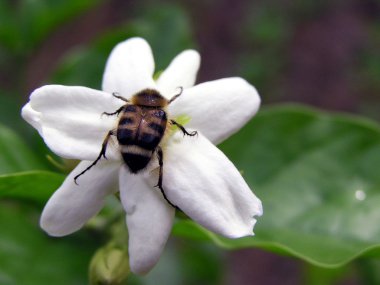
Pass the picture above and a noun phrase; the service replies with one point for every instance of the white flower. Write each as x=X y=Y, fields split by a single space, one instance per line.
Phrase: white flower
x=197 y=177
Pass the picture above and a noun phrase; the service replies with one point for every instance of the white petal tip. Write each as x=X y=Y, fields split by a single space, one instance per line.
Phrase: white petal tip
x=54 y=234
x=140 y=269
x=253 y=99
x=53 y=227
x=52 y=230
x=254 y=95
x=192 y=56
x=136 y=40
x=259 y=212
x=31 y=116
x=239 y=234
x=246 y=229
x=27 y=112
x=143 y=263
x=131 y=41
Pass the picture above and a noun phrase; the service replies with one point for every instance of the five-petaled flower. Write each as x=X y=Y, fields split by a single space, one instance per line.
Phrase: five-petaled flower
x=197 y=176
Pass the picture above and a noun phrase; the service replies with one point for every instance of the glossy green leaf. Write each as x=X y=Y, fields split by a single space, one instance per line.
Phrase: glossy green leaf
x=318 y=177
x=28 y=256
x=35 y=186
x=16 y=155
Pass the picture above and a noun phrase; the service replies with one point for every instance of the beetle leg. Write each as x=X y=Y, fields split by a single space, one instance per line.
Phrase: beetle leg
x=193 y=133
x=117 y=112
x=102 y=153
x=159 y=183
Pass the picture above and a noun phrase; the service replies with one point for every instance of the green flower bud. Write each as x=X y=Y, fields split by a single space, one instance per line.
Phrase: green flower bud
x=109 y=266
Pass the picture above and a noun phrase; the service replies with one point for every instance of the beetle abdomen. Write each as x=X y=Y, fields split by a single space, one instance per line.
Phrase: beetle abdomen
x=139 y=132
x=136 y=158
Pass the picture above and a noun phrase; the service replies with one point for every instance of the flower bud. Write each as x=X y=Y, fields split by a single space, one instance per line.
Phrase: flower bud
x=109 y=265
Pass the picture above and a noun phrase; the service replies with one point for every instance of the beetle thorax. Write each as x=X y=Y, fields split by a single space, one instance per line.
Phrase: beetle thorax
x=149 y=98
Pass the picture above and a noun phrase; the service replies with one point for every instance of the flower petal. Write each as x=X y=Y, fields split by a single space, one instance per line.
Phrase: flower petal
x=181 y=72
x=70 y=119
x=204 y=184
x=218 y=108
x=129 y=68
x=72 y=205
x=149 y=220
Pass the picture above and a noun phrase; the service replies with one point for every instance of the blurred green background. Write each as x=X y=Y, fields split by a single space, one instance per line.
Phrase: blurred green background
x=321 y=53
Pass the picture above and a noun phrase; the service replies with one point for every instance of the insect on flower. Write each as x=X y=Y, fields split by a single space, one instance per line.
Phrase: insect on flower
x=142 y=126
x=154 y=146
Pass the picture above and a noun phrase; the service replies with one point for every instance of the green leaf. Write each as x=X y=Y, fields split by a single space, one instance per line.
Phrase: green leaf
x=29 y=256
x=368 y=271
x=8 y=25
x=16 y=155
x=36 y=186
x=26 y=23
x=314 y=275
x=318 y=177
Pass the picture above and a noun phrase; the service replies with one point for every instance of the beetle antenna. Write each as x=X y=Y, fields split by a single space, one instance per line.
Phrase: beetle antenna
x=116 y=95
x=177 y=95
